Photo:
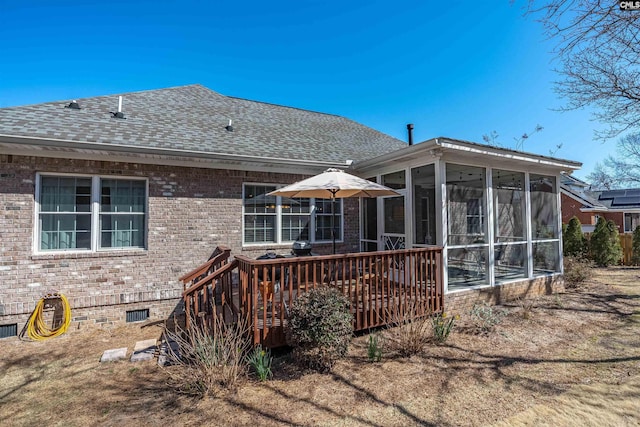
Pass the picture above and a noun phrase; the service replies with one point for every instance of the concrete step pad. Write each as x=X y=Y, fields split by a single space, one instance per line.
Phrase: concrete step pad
x=114 y=354
x=144 y=350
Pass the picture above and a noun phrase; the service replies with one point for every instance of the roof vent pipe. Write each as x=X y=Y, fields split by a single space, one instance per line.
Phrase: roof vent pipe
x=73 y=105
x=410 y=133
x=229 y=127
x=118 y=114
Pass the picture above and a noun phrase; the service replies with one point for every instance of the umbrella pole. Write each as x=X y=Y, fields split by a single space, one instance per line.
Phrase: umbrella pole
x=333 y=220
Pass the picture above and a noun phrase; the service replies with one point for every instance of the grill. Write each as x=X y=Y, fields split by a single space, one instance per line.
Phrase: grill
x=301 y=248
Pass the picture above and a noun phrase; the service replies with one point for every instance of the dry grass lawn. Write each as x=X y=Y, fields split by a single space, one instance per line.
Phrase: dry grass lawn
x=570 y=359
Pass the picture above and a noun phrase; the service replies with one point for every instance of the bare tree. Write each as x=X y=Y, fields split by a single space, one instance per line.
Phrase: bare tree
x=493 y=138
x=621 y=170
x=598 y=50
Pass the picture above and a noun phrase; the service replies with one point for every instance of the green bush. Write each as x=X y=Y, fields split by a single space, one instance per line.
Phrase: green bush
x=573 y=241
x=260 y=360
x=635 y=246
x=605 y=244
x=320 y=328
x=442 y=326
x=374 y=348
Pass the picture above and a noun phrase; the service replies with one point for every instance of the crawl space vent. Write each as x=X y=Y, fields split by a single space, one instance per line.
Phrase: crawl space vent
x=137 y=315
x=7 y=331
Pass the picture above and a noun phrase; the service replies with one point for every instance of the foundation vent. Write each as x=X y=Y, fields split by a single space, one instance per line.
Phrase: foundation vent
x=7 y=331
x=137 y=315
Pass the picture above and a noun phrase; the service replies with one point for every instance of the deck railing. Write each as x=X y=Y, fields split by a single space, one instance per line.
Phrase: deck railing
x=208 y=289
x=383 y=287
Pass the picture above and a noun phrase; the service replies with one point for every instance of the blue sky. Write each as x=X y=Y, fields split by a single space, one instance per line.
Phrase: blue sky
x=457 y=69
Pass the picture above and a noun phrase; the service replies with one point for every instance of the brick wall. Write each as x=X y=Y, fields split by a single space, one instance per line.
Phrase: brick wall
x=571 y=207
x=462 y=302
x=190 y=212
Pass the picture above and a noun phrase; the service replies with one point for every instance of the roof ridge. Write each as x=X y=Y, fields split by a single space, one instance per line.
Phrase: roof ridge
x=285 y=106
x=113 y=94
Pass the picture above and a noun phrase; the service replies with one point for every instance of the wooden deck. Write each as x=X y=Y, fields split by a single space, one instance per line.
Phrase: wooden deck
x=383 y=287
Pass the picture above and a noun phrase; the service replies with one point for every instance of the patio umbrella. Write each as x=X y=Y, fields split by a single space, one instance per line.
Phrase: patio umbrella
x=334 y=184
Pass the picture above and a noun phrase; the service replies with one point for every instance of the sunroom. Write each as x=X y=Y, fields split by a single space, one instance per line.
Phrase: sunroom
x=495 y=212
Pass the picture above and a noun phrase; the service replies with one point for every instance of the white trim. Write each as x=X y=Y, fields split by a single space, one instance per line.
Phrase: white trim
x=490 y=225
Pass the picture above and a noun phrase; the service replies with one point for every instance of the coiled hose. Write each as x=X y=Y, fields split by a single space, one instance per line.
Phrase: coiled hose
x=36 y=326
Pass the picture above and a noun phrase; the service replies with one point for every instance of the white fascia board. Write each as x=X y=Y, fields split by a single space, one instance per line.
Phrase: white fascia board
x=479 y=149
x=437 y=147
x=59 y=148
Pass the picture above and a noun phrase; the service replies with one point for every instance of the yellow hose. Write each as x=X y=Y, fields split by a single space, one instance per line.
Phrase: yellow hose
x=36 y=327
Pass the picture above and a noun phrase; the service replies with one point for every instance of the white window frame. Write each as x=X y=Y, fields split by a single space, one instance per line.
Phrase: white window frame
x=279 y=216
x=95 y=214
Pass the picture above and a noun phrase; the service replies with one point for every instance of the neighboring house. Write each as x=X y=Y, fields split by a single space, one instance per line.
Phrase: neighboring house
x=110 y=206
x=620 y=206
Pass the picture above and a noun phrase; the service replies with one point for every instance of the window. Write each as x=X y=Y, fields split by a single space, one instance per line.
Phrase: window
x=271 y=219
x=544 y=224
x=474 y=217
x=468 y=248
x=631 y=221
x=90 y=213
x=324 y=216
x=259 y=214
x=423 y=180
x=510 y=241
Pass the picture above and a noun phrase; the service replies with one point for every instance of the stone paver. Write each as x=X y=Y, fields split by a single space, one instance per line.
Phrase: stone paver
x=114 y=354
x=144 y=350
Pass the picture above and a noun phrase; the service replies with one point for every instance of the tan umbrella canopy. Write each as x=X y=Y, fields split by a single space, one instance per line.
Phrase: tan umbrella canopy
x=334 y=184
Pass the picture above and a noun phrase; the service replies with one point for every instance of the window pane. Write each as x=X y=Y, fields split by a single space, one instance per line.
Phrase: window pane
x=467 y=267
x=295 y=227
x=119 y=195
x=424 y=195
x=631 y=221
x=259 y=228
x=544 y=209
x=510 y=261
x=296 y=205
x=508 y=205
x=324 y=213
x=369 y=218
x=257 y=201
x=546 y=257
x=122 y=231
x=65 y=194
x=466 y=209
x=65 y=231
x=368 y=246
x=323 y=228
x=393 y=214
x=395 y=180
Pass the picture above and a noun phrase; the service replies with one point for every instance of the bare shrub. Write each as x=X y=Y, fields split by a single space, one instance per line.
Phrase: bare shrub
x=485 y=318
x=576 y=271
x=526 y=307
x=208 y=359
x=410 y=332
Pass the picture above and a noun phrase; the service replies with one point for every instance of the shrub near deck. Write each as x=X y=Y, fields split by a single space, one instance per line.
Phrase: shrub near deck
x=320 y=328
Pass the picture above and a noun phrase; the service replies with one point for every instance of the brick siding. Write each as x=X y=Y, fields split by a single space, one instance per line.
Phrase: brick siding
x=463 y=301
x=190 y=212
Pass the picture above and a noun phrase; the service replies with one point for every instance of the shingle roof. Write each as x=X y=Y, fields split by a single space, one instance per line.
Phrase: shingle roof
x=194 y=118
